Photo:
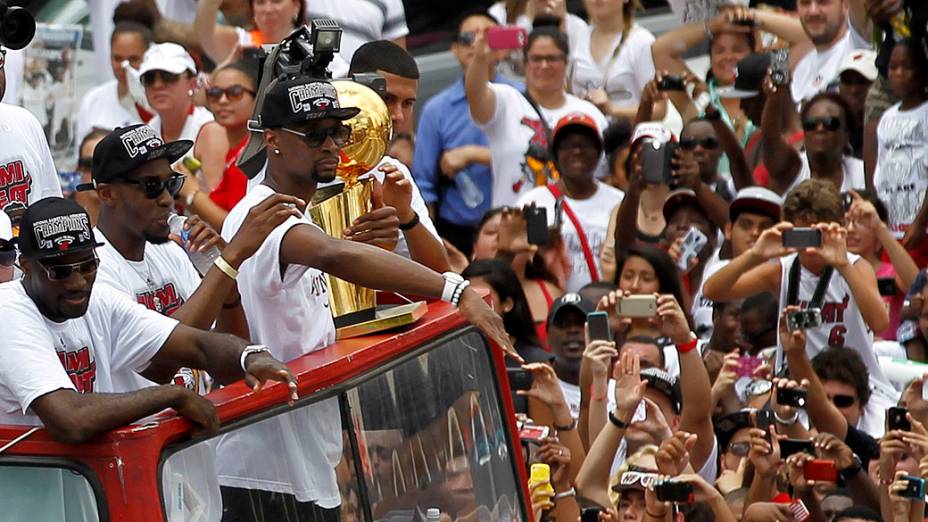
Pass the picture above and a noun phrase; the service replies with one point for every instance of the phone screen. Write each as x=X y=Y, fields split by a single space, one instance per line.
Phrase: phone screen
x=598 y=326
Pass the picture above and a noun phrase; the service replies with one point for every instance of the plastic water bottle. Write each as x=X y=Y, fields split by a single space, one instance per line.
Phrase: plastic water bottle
x=202 y=261
x=470 y=192
x=433 y=515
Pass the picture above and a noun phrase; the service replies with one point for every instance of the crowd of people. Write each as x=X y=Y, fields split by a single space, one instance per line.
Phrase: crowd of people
x=715 y=280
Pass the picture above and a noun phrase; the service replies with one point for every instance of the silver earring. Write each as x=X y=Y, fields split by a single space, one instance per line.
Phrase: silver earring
x=190 y=92
x=277 y=152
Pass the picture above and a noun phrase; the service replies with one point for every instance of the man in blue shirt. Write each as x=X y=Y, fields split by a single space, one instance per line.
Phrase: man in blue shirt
x=452 y=160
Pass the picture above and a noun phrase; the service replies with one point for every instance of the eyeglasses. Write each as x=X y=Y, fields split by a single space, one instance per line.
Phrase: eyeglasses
x=340 y=134
x=538 y=59
x=830 y=123
x=739 y=449
x=843 y=401
x=233 y=93
x=467 y=39
x=706 y=143
x=148 y=79
x=2 y=58
x=154 y=187
x=62 y=272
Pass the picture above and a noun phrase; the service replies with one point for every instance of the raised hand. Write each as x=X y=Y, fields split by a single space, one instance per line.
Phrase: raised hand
x=629 y=386
x=832 y=448
x=834 y=244
x=785 y=411
x=513 y=234
x=795 y=471
x=260 y=221
x=545 y=386
x=770 y=243
x=673 y=322
x=598 y=357
x=764 y=454
x=795 y=341
x=557 y=456
x=397 y=192
x=673 y=456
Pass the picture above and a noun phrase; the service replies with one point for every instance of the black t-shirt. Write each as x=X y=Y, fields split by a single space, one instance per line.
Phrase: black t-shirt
x=863 y=445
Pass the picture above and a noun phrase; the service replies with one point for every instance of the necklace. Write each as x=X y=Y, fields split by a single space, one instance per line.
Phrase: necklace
x=149 y=281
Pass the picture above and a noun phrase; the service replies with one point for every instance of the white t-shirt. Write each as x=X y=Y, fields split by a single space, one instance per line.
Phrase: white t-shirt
x=842 y=323
x=702 y=308
x=623 y=76
x=289 y=313
x=102 y=108
x=854 y=177
x=513 y=127
x=816 y=71
x=901 y=175
x=361 y=20
x=194 y=122
x=418 y=204
x=27 y=170
x=40 y=356
x=162 y=282
x=592 y=213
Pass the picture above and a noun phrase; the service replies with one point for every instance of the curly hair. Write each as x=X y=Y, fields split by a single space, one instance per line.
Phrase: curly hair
x=814 y=201
x=846 y=366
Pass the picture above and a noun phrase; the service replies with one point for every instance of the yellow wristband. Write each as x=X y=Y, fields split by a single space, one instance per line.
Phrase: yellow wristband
x=226 y=268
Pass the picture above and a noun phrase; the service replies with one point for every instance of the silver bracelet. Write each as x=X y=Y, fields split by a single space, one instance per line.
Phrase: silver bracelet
x=254 y=348
x=786 y=422
x=569 y=493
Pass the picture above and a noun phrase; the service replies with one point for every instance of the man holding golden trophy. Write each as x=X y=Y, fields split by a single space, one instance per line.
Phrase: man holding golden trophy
x=314 y=131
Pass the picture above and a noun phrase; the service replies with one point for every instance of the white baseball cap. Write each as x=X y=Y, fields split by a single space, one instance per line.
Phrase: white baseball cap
x=168 y=57
x=657 y=131
x=756 y=200
x=861 y=61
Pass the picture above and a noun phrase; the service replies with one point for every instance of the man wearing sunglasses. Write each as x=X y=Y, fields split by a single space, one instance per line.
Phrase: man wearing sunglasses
x=133 y=178
x=285 y=297
x=65 y=340
x=27 y=169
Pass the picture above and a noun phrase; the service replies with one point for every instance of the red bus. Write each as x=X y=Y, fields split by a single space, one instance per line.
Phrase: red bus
x=426 y=421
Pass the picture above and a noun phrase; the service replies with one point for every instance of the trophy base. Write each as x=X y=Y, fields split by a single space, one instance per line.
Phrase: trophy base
x=351 y=318
x=387 y=317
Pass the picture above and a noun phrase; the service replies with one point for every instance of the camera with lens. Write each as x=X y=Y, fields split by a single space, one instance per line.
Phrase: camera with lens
x=779 y=68
x=804 y=319
x=17 y=26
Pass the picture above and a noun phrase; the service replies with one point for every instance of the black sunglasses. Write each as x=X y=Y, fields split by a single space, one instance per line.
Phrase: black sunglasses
x=148 y=79
x=62 y=272
x=830 y=123
x=706 y=143
x=154 y=187
x=340 y=134
x=467 y=39
x=843 y=401
x=233 y=93
x=739 y=449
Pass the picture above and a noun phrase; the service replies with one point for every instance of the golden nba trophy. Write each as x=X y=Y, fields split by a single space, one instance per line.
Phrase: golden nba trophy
x=336 y=207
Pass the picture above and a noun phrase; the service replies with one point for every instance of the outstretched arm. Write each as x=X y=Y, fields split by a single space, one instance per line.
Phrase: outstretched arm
x=782 y=160
x=218 y=41
x=480 y=97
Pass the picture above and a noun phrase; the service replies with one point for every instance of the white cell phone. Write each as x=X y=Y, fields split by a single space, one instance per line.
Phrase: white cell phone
x=637 y=306
x=693 y=243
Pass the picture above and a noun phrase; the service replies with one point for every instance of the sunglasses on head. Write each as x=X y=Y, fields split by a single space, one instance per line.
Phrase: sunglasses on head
x=340 y=134
x=153 y=187
x=233 y=93
x=843 y=401
x=148 y=79
x=830 y=123
x=706 y=143
x=62 y=272
x=631 y=478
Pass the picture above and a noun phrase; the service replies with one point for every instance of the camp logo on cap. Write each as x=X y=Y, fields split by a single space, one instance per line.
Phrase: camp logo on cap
x=60 y=232
x=312 y=97
x=141 y=141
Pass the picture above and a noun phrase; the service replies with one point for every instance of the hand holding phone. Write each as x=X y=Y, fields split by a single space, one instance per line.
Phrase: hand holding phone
x=693 y=243
x=747 y=364
x=791 y=397
x=802 y=238
x=673 y=491
x=672 y=82
x=519 y=379
x=914 y=488
x=896 y=419
x=597 y=324
x=533 y=434
x=790 y=447
x=507 y=37
x=823 y=470
x=536 y=225
x=637 y=306
x=541 y=474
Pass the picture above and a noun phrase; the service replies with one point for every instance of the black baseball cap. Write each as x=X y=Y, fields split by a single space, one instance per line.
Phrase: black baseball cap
x=727 y=425
x=296 y=100
x=128 y=148
x=53 y=227
x=569 y=300
x=664 y=383
x=749 y=77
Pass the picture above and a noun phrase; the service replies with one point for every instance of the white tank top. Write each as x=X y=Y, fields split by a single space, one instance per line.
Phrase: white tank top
x=842 y=324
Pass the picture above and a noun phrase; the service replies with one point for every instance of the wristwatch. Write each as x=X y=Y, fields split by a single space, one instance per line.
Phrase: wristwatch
x=454 y=287
x=254 y=348
x=853 y=469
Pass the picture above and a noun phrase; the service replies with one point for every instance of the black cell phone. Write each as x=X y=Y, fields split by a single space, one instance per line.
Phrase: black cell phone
x=791 y=397
x=658 y=163
x=519 y=379
x=914 y=488
x=746 y=22
x=670 y=491
x=792 y=446
x=536 y=224
x=598 y=325
x=763 y=419
x=672 y=82
x=896 y=419
x=887 y=286
x=590 y=514
x=802 y=238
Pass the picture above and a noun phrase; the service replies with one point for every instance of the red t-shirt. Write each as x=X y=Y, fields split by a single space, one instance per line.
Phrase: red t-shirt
x=232 y=187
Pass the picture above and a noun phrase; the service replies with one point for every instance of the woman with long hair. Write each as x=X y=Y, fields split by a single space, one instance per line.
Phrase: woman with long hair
x=611 y=63
x=523 y=14
x=231 y=98
x=273 y=20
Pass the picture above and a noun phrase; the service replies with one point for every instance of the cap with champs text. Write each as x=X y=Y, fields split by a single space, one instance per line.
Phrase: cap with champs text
x=127 y=148
x=53 y=227
x=301 y=99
